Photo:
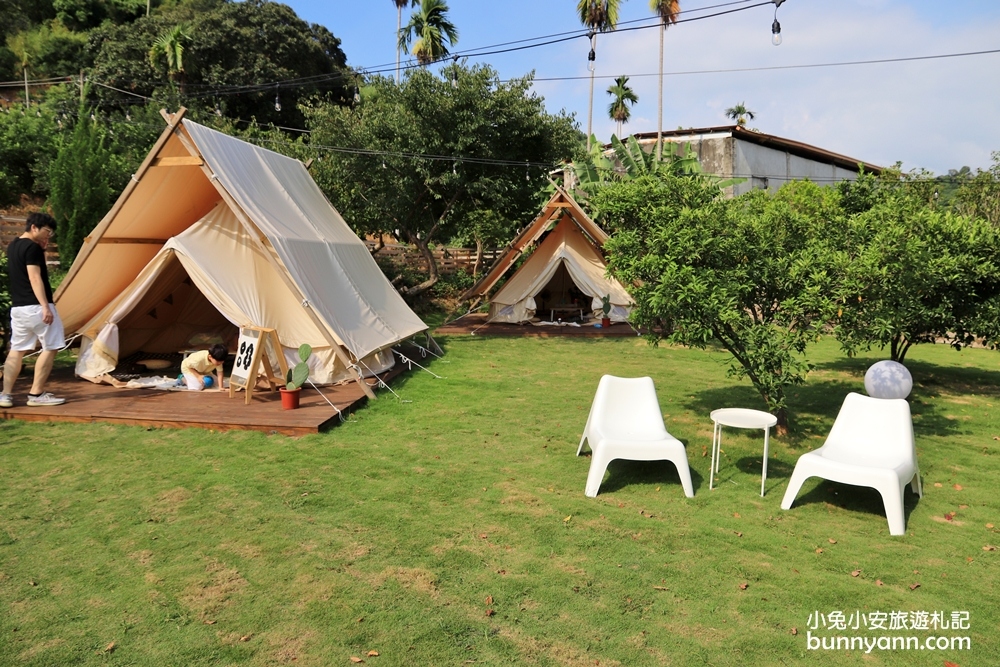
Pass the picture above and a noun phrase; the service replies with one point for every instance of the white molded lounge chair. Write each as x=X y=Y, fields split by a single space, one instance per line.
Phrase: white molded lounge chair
x=870 y=444
x=625 y=422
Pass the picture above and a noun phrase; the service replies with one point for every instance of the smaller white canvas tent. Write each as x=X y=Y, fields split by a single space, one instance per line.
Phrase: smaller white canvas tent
x=213 y=233
x=566 y=272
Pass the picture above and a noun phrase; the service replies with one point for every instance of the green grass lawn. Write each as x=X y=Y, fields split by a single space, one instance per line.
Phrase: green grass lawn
x=451 y=528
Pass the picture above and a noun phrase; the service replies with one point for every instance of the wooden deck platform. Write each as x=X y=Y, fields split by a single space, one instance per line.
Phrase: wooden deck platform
x=475 y=324
x=87 y=402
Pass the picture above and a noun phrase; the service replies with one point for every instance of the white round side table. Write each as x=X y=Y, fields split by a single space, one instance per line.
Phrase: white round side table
x=739 y=418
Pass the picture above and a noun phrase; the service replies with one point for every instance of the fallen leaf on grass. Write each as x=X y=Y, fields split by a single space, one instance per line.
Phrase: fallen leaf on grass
x=948 y=663
x=744 y=586
x=488 y=600
x=660 y=588
x=483 y=536
x=819 y=551
x=738 y=533
x=209 y=622
x=501 y=572
x=567 y=518
x=914 y=587
x=989 y=547
x=490 y=612
x=963 y=507
x=246 y=638
x=637 y=536
x=704 y=452
x=736 y=515
x=110 y=648
x=989 y=525
x=856 y=573
x=795 y=631
x=938 y=485
x=356 y=659
x=372 y=654
x=957 y=487
x=968 y=559
x=832 y=541
x=949 y=516
x=878 y=582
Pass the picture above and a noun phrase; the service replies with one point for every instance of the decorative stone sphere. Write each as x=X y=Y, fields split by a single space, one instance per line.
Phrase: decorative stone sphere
x=888 y=379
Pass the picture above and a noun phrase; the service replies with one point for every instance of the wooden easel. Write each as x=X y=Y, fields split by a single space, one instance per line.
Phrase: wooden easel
x=251 y=351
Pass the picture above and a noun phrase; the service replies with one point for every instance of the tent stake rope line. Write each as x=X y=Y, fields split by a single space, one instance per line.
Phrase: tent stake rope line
x=410 y=363
x=424 y=352
x=339 y=413
x=381 y=384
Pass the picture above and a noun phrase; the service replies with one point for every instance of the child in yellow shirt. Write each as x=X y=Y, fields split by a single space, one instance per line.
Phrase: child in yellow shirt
x=204 y=363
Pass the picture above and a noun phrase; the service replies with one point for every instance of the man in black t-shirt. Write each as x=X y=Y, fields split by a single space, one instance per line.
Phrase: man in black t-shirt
x=33 y=316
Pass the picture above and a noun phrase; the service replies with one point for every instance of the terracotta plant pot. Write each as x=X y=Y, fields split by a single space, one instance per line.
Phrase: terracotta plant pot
x=289 y=398
x=605 y=322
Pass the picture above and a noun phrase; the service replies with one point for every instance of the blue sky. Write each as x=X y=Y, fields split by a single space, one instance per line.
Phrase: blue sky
x=937 y=114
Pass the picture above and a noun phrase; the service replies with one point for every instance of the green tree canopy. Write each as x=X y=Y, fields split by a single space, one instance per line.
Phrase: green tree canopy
x=236 y=54
x=420 y=159
x=908 y=273
x=80 y=189
x=706 y=269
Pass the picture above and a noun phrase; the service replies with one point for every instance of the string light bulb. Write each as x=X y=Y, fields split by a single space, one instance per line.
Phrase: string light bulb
x=776 y=27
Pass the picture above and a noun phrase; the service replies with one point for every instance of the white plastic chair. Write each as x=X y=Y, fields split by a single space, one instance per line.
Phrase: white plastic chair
x=625 y=423
x=870 y=444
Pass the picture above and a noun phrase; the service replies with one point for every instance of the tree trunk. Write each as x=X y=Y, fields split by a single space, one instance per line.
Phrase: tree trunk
x=399 y=26
x=479 y=257
x=659 y=115
x=432 y=269
x=781 y=428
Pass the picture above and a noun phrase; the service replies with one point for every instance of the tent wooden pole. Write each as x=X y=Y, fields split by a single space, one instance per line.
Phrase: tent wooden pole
x=94 y=237
x=338 y=350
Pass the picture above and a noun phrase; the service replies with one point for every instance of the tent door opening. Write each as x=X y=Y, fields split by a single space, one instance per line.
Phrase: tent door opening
x=173 y=316
x=561 y=298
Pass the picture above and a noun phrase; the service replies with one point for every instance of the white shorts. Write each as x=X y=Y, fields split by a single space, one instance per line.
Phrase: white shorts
x=195 y=382
x=27 y=329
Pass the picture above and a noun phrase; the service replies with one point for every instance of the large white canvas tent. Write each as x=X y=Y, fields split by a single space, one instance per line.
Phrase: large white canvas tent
x=213 y=233
x=565 y=270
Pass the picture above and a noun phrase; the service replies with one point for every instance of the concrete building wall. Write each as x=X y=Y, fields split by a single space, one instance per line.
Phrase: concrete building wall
x=721 y=154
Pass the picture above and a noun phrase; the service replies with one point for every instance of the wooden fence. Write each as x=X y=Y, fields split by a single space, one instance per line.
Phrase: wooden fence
x=448 y=260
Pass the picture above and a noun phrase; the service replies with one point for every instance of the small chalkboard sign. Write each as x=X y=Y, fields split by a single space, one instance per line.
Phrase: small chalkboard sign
x=252 y=359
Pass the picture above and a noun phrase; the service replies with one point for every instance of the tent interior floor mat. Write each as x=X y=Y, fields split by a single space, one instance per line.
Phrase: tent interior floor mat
x=129 y=368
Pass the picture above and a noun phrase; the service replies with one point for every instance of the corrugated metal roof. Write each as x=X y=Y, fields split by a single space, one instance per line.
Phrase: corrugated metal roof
x=771 y=141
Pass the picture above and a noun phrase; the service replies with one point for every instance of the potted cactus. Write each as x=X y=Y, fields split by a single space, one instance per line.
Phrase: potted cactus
x=606 y=309
x=297 y=376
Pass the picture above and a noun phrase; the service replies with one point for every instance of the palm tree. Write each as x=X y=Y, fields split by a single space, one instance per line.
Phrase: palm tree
x=624 y=97
x=599 y=16
x=171 y=46
x=432 y=30
x=400 y=4
x=667 y=11
x=740 y=113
